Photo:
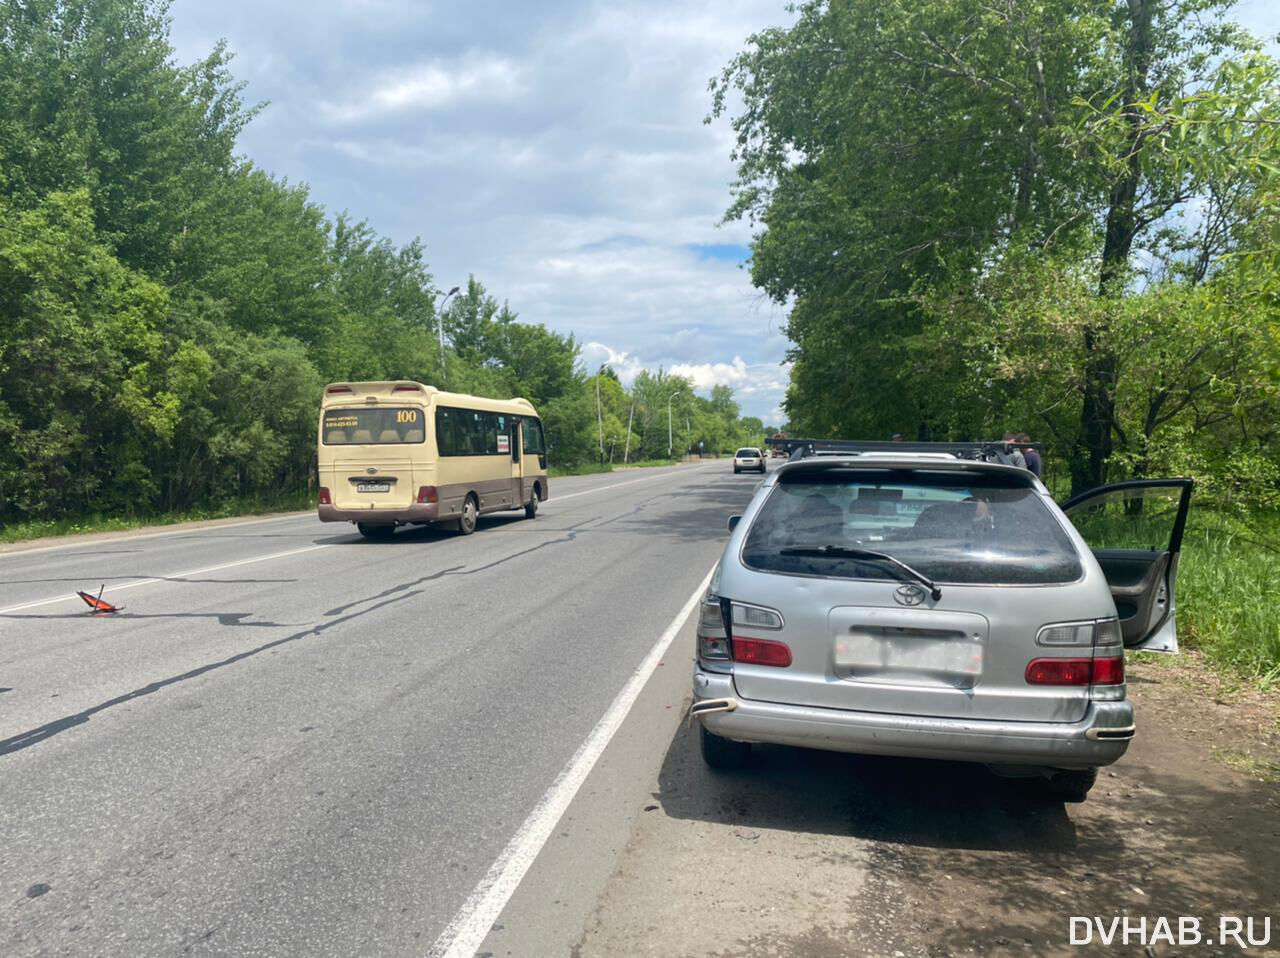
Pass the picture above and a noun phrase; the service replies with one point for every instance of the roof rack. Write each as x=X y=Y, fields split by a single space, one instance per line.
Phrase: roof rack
x=989 y=451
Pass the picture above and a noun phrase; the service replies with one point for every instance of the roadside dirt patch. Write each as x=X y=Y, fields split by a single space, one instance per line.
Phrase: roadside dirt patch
x=817 y=854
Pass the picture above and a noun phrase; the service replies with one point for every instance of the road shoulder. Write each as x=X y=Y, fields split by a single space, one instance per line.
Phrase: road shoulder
x=548 y=911
x=818 y=854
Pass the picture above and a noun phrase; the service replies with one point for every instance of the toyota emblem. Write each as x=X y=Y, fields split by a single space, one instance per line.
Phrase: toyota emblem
x=909 y=595
x=371 y=471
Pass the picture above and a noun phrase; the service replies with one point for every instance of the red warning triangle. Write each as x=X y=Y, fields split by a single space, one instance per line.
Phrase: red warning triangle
x=96 y=604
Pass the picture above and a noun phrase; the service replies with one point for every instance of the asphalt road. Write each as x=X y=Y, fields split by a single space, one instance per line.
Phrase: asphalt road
x=293 y=741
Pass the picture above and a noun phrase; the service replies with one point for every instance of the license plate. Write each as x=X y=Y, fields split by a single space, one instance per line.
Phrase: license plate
x=373 y=487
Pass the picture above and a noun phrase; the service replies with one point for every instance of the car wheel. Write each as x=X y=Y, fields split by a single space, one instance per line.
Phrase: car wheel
x=720 y=752
x=1072 y=785
x=375 y=532
x=735 y=470
x=531 y=507
x=470 y=512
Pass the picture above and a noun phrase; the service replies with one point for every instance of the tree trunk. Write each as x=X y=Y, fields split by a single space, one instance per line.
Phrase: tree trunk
x=1097 y=412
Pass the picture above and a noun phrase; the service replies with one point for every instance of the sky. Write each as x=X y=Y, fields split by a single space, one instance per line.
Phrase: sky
x=554 y=150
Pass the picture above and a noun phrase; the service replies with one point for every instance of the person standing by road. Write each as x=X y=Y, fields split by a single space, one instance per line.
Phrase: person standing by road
x=1032 y=456
x=1012 y=451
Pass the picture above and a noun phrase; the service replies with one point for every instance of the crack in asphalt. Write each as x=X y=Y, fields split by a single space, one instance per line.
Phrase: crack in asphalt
x=23 y=740
x=396 y=593
x=459 y=570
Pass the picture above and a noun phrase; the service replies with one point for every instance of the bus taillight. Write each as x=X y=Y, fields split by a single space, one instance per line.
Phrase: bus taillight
x=324 y=496
x=428 y=494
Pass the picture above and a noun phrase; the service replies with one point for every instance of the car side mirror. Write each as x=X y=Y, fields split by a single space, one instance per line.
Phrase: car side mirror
x=733 y=522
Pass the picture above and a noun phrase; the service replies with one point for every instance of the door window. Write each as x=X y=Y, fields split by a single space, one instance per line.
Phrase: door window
x=1141 y=516
x=532 y=429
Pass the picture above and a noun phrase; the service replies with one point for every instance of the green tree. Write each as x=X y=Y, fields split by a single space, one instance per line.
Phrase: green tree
x=886 y=148
x=81 y=390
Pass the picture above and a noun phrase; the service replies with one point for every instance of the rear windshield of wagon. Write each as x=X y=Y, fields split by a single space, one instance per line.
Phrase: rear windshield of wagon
x=956 y=527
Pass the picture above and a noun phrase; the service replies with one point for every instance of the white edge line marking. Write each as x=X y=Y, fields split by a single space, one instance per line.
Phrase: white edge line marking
x=467 y=931
x=176 y=575
x=613 y=485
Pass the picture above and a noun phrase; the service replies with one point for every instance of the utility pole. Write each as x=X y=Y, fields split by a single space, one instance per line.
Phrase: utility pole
x=627 y=452
x=669 y=398
x=599 y=418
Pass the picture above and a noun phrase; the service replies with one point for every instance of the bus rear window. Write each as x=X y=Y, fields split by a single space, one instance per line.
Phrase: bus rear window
x=372 y=427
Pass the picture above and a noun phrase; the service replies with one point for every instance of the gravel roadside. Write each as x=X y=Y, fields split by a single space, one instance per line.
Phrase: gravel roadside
x=817 y=854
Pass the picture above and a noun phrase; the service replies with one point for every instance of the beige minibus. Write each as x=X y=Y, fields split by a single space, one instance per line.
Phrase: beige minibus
x=400 y=453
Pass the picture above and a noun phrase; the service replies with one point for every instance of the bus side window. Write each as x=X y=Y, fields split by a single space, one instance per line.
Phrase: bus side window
x=446 y=432
x=533 y=444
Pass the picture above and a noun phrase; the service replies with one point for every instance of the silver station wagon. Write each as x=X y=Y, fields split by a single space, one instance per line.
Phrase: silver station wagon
x=935 y=602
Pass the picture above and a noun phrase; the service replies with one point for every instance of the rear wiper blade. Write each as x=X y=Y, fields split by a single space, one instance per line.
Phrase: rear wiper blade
x=843 y=552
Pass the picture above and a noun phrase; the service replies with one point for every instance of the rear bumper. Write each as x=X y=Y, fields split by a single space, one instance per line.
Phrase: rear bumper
x=1100 y=738
x=418 y=512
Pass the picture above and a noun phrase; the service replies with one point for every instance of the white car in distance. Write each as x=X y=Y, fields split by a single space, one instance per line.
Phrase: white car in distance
x=749 y=459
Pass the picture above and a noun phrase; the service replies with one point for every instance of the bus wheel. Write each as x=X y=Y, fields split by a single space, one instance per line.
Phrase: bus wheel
x=375 y=532
x=531 y=508
x=467 y=521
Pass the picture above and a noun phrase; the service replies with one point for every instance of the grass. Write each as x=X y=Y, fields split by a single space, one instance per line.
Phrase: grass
x=1245 y=762
x=1229 y=593
x=46 y=528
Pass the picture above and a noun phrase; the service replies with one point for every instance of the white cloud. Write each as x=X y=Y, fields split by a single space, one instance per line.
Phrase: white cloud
x=746 y=378
x=627 y=366
x=565 y=165
x=432 y=85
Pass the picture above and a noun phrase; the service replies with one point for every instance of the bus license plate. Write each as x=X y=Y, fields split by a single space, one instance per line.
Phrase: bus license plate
x=373 y=487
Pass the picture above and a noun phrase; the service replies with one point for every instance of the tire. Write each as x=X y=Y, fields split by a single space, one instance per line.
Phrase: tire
x=1072 y=785
x=722 y=753
x=470 y=516
x=375 y=532
x=531 y=507
x=736 y=470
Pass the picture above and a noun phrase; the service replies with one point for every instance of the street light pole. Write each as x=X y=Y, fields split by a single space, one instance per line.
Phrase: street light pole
x=626 y=455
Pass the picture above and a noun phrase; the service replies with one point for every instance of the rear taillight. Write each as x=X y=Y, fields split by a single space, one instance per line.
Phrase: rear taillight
x=756 y=617
x=406 y=389
x=761 y=652
x=339 y=390
x=713 y=641
x=428 y=494
x=325 y=500
x=1106 y=671
x=1109 y=671
x=1059 y=671
x=715 y=645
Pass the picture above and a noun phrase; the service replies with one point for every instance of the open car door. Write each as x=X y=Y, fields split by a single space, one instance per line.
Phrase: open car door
x=1135 y=531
